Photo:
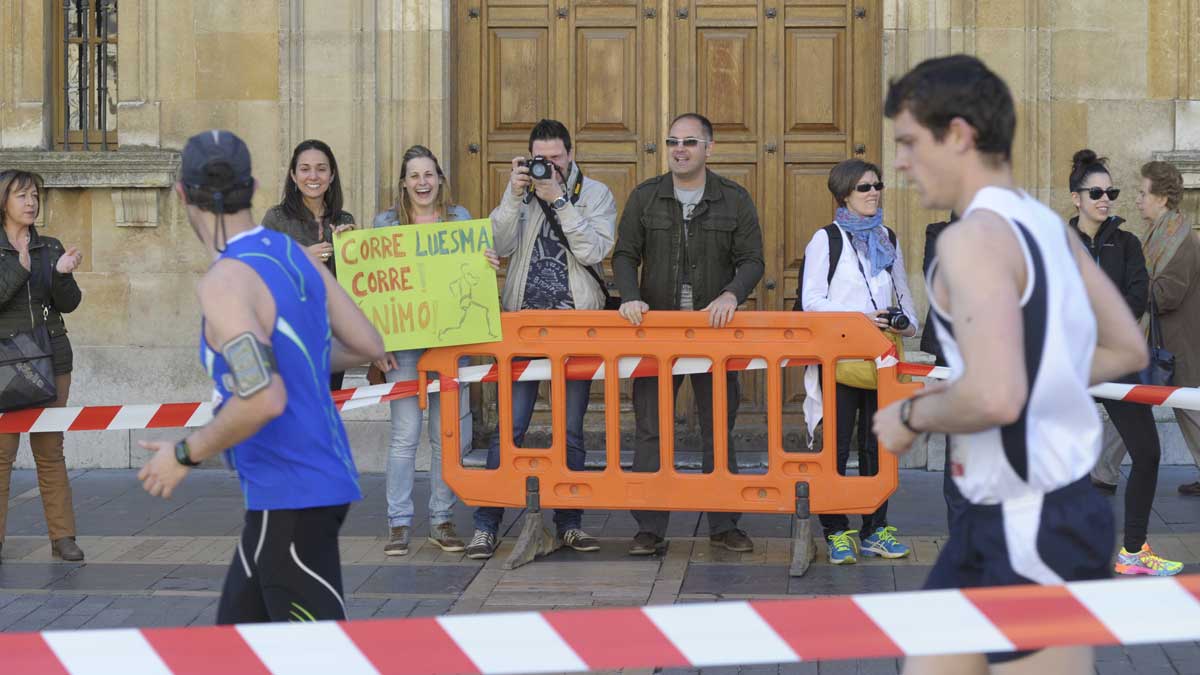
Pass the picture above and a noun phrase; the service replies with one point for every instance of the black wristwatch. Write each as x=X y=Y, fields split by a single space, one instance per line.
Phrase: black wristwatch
x=906 y=415
x=183 y=454
x=560 y=202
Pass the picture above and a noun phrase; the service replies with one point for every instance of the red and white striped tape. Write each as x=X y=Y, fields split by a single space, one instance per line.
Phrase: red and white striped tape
x=174 y=415
x=1187 y=398
x=1111 y=612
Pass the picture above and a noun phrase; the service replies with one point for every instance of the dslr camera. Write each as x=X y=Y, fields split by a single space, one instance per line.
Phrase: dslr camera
x=896 y=319
x=540 y=168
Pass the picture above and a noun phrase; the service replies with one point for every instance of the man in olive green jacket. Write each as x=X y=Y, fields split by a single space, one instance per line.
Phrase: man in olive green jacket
x=695 y=236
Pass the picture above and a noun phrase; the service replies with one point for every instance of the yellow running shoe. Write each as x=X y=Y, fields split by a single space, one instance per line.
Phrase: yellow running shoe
x=1146 y=562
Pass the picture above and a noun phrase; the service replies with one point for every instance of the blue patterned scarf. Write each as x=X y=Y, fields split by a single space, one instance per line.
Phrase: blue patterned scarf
x=869 y=237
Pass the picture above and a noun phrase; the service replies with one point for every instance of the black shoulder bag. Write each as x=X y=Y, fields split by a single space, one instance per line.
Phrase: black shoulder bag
x=26 y=360
x=1161 y=371
x=610 y=301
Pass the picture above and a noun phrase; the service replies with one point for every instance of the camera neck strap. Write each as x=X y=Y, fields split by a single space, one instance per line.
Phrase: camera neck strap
x=862 y=270
x=556 y=228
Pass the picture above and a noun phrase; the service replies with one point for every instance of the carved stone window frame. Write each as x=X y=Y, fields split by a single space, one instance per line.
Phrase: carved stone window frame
x=137 y=178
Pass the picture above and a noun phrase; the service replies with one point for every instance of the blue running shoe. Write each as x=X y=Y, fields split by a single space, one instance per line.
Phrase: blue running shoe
x=883 y=543
x=843 y=549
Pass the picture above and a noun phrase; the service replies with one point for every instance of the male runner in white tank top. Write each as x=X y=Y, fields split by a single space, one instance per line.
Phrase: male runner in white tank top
x=1028 y=322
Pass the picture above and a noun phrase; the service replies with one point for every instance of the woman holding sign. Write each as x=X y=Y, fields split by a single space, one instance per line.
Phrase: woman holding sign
x=311 y=210
x=424 y=197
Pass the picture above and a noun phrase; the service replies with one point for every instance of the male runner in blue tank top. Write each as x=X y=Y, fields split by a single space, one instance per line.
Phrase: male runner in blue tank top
x=1027 y=322
x=274 y=325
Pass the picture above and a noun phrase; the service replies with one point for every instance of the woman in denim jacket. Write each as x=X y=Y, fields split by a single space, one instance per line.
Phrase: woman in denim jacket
x=424 y=197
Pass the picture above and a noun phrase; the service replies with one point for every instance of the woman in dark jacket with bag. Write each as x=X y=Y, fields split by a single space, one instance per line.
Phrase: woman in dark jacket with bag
x=311 y=210
x=1119 y=254
x=37 y=287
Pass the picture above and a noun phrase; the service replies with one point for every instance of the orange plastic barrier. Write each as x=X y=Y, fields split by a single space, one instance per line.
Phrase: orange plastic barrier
x=665 y=336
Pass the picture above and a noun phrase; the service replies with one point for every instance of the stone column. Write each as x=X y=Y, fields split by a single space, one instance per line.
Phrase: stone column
x=414 y=85
x=24 y=104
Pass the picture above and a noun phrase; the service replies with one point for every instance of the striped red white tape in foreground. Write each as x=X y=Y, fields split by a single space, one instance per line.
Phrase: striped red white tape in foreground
x=1118 y=611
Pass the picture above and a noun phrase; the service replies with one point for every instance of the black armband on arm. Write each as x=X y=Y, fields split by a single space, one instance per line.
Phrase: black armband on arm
x=251 y=364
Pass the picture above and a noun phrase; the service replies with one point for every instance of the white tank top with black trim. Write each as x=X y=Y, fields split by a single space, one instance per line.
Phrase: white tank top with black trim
x=1056 y=440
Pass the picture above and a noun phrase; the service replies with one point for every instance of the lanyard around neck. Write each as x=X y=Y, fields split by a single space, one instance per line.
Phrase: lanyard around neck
x=863 y=272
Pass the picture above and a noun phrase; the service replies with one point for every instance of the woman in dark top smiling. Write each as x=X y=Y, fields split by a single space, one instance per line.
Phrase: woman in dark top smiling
x=311 y=210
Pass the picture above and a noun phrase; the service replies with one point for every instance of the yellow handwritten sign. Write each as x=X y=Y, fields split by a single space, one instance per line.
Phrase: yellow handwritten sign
x=423 y=285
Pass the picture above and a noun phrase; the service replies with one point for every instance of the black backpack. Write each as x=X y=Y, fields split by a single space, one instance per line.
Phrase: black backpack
x=835 y=254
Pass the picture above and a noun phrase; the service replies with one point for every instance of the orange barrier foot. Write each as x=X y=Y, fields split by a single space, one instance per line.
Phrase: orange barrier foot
x=803 y=549
x=536 y=539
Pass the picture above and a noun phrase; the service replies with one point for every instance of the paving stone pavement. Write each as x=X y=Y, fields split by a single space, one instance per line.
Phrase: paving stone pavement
x=161 y=563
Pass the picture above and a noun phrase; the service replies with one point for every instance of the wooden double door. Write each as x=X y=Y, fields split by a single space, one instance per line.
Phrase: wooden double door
x=791 y=86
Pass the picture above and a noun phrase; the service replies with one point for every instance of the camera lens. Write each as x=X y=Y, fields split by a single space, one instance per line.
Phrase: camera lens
x=899 y=322
x=538 y=171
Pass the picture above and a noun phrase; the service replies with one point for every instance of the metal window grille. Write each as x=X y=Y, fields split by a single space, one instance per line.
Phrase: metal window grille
x=86 y=75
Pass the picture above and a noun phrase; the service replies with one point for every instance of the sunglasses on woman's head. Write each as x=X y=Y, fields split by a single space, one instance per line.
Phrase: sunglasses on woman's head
x=1096 y=193
x=688 y=142
x=866 y=187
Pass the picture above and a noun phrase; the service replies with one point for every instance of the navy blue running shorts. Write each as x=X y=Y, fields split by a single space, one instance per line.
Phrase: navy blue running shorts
x=1064 y=535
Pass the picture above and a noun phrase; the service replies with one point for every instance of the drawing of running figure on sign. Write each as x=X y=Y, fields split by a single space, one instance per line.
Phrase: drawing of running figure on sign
x=463 y=288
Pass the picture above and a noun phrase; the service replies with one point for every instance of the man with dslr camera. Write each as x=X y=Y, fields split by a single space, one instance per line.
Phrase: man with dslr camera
x=555 y=226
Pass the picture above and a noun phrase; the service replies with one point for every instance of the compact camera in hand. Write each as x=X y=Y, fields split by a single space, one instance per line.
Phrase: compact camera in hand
x=896 y=318
x=540 y=168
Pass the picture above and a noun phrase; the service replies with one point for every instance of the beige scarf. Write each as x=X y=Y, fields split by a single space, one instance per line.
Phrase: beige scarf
x=1166 y=235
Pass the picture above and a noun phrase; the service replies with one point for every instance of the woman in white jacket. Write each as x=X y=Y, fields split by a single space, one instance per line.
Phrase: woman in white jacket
x=868 y=277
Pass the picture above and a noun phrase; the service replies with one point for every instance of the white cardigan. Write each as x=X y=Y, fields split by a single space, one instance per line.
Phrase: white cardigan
x=848 y=291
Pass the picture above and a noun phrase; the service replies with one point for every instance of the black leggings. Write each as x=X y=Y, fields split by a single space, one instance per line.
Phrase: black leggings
x=853 y=403
x=1135 y=424
x=286 y=568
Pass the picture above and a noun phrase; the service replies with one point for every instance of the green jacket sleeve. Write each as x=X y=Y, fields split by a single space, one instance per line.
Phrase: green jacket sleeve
x=627 y=254
x=747 y=251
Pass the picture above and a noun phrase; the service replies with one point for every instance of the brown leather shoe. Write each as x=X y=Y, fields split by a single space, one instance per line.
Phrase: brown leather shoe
x=398 y=541
x=1190 y=489
x=734 y=540
x=647 y=543
x=67 y=549
x=444 y=537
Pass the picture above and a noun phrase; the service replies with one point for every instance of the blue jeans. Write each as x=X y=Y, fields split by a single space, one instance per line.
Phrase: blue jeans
x=406 y=435
x=524 y=395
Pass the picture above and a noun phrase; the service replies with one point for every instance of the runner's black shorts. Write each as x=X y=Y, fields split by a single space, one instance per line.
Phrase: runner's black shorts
x=286 y=568
x=1071 y=534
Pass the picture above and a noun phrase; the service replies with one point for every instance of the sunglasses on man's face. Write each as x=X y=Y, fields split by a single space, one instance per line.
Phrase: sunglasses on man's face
x=867 y=187
x=689 y=142
x=1096 y=193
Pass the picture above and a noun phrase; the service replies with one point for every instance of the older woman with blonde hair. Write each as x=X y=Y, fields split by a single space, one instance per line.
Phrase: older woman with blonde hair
x=1173 y=260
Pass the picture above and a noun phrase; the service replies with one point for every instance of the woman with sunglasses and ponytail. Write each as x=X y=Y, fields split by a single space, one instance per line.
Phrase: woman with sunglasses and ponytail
x=854 y=265
x=1119 y=254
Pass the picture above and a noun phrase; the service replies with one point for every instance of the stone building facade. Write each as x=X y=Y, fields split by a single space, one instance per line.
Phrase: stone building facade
x=371 y=77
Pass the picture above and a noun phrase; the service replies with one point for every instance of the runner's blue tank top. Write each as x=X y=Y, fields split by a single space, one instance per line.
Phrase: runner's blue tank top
x=302 y=458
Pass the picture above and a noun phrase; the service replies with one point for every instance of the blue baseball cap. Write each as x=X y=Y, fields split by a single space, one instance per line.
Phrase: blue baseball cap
x=216 y=160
